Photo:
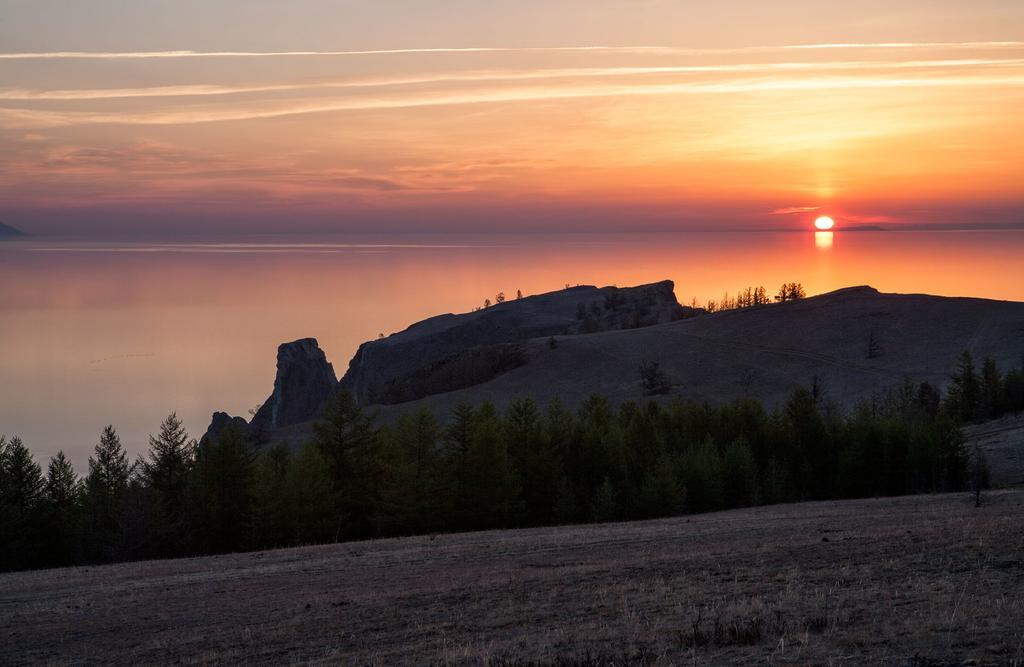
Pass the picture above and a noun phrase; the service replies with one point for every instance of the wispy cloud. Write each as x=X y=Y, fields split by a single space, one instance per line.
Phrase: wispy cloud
x=669 y=50
x=201 y=90
x=31 y=118
x=793 y=210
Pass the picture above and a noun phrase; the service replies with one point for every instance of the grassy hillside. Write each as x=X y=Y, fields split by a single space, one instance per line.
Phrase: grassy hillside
x=766 y=351
x=915 y=580
x=856 y=342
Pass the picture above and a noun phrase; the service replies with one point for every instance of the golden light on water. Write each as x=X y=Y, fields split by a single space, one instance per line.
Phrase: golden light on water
x=823 y=240
x=824 y=223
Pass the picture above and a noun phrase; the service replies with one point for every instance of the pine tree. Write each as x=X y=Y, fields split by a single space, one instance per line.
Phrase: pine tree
x=962 y=395
x=62 y=494
x=566 y=509
x=702 y=473
x=457 y=442
x=740 y=475
x=662 y=492
x=105 y=487
x=810 y=455
x=166 y=474
x=414 y=486
x=490 y=490
x=222 y=493
x=271 y=505
x=21 y=497
x=604 y=506
x=776 y=483
x=991 y=390
x=348 y=442
x=533 y=462
x=311 y=498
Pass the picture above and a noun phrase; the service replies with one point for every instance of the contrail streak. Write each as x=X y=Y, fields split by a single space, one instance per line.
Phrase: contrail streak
x=33 y=118
x=669 y=50
x=199 y=90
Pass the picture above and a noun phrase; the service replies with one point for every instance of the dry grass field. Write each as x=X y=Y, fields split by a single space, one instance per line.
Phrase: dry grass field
x=926 y=580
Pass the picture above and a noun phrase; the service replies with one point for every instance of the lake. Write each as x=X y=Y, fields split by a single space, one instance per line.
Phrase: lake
x=123 y=332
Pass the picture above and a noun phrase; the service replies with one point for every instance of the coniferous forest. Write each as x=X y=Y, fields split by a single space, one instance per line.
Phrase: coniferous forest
x=484 y=468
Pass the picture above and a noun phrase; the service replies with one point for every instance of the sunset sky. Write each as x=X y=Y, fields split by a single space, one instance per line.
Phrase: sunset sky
x=311 y=116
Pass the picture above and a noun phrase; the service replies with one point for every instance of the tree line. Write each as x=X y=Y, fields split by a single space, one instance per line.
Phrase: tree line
x=752 y=296
x=486 y=468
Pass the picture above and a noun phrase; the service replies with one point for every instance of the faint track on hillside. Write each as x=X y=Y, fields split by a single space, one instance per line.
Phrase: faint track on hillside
x=812 y=356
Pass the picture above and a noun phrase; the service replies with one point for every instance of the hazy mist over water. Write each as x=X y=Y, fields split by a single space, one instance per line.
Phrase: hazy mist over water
x=124 y=332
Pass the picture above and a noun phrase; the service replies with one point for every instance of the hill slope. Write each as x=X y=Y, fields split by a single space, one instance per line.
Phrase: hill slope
x=925 y=580
x=766 y=351
x=854 y=342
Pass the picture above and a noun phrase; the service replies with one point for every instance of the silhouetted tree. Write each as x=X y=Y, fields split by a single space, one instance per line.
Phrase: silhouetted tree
x=413 y=495
x=702 y=474
x=272 y=509
x=347 y=440
x=604 y=506
x=739 y=472
x=222 y=493
x=654 y=380
x=962 y=395
x=166 y=473
x=489 y=489
x=661 y=491
x=457 y=443
x=533 y=461
x=790 y=292
x=566 y=509
x=62 y=494
x=990 y=391
x=21 y=500
x=105 y=487
x=485 y=470
x=311 y=498
x=928 y=399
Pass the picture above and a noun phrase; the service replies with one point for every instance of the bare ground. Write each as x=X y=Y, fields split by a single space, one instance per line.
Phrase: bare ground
x=926 y=580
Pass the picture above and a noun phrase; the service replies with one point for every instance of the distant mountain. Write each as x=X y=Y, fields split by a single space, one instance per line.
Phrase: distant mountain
x=8 y=231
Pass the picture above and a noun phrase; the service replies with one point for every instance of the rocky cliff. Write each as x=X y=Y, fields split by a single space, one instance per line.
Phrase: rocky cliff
x=304 y=381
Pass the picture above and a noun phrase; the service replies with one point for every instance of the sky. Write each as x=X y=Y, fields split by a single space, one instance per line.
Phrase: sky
x=257 y=116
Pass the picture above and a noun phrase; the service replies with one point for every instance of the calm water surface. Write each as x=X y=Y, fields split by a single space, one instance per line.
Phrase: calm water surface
x=116 y=332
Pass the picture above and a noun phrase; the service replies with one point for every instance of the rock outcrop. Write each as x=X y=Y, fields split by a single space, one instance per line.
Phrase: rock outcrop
x=222 y=421
x=304 y=381
x=451 y=352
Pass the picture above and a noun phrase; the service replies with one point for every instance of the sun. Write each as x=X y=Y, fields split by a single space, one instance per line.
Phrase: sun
x=824 y=223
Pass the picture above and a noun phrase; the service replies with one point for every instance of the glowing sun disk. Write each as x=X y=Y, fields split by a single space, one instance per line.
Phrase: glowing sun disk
x=824 y=223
